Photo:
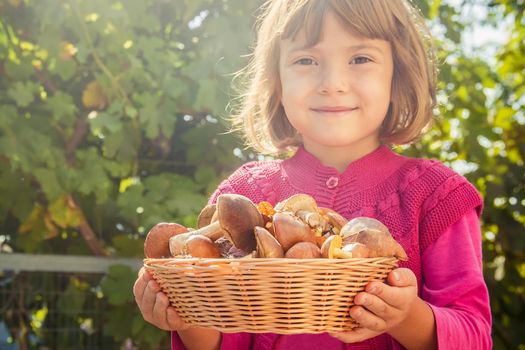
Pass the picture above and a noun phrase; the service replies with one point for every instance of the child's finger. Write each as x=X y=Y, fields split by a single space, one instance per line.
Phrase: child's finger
x=174 y=320
x=160 y=317
x=377 y=306
x=395 y=296
x=147 y=302
x=392 y=296
x=402 y=277
x=355 y=335
x=367 y=319
x=138 y=289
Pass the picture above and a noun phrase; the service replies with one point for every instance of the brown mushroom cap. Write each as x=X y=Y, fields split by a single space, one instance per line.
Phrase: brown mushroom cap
x=177 y=244
x=297 y=202
x=238 y=216
x=156 y=244
x=206 y=215
x=362 y=224
x=374 y=235
x=267 y=245
x=303 y=250
x=289 y=229
x=202 y=247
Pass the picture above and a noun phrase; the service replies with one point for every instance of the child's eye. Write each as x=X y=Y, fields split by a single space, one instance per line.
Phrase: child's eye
x=305 y=61
x=360 y=60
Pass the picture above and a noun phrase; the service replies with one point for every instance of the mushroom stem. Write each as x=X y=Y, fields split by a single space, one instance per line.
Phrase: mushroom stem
x=341 y=254
x=333 y=248
x=312 y=218
x=177 y=243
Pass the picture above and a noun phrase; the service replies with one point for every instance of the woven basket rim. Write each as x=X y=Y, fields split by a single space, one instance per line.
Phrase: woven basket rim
x=268 y=260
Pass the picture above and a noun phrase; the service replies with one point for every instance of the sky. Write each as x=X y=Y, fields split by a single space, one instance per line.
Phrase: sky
x=480 y=39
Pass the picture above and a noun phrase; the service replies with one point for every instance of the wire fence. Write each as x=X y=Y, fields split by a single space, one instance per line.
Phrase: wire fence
x=39 y=313
x=54 y=302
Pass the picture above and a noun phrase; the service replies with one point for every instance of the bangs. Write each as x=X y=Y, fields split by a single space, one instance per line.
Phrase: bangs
x=373 y=19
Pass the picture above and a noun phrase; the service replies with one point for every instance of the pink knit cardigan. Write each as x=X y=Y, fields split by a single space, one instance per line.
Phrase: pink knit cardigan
x=418 y=200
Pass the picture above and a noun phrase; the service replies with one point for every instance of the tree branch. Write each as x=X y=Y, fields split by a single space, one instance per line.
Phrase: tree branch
x=87 y=232
x=89 y=236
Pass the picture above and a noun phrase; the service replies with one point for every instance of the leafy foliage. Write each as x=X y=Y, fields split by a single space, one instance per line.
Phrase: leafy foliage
x=111 y=121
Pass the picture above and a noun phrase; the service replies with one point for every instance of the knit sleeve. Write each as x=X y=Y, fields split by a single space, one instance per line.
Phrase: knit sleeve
x=224 y=187
x=455 y=289
x=452 y=197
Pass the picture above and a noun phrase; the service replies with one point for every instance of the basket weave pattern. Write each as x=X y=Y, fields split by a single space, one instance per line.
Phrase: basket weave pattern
x=285 y=296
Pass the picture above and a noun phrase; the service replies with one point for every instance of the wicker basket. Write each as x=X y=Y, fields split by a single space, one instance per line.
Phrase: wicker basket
x=286 y=296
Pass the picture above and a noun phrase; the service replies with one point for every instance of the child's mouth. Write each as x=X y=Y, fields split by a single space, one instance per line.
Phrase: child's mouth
x=333 y=110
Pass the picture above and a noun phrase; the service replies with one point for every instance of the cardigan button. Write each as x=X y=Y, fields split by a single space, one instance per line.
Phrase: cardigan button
x=332 y=182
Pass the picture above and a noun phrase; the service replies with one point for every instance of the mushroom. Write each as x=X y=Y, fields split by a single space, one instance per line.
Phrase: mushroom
x=206 y=215
x=375 y=235
x=304 y=207
x=333 y=249
x=334 y=219
x=267 y=210
x=202 y=247
x=237 y=216
x=224 y=246
x=289 y=229
x=267 y=245
x=303 y=250
x=156 y=244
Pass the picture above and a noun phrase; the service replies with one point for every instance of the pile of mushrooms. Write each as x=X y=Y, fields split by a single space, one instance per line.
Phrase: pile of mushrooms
x=297 y=228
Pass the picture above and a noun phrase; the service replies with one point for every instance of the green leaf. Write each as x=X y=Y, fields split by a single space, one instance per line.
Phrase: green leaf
x=8 y=114
x=64 y=214
x=19 y=71
x=66 y=69
x=173 y=87
x=205 y=174
x=106 y=122
x=150 y=117
x=117 y=285
x=117 y=322
x=149 y=113
x=71 y=301
x=17 y=193
x=23 y=94
x=62 y=107
x=47 y=178
x=128 y=246
x=206 y=95
x=91 y=176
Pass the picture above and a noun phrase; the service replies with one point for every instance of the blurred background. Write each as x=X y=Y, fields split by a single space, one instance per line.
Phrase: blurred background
x=112 y=119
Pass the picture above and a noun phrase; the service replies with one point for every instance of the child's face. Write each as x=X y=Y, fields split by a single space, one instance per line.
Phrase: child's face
x=336 y=94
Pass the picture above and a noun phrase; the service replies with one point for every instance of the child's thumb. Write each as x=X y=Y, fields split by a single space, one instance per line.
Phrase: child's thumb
x=402 y=277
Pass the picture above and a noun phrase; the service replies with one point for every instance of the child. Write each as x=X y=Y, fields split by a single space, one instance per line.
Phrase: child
x=339 y=81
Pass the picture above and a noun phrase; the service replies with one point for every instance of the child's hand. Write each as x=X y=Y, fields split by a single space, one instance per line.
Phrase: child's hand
x=154 y=304
x=382 y=307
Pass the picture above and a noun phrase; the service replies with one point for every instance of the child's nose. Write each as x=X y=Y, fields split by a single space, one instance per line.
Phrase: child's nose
x=333 y=80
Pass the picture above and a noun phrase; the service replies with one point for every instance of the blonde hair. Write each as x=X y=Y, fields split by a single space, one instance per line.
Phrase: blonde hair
x=261 y=116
